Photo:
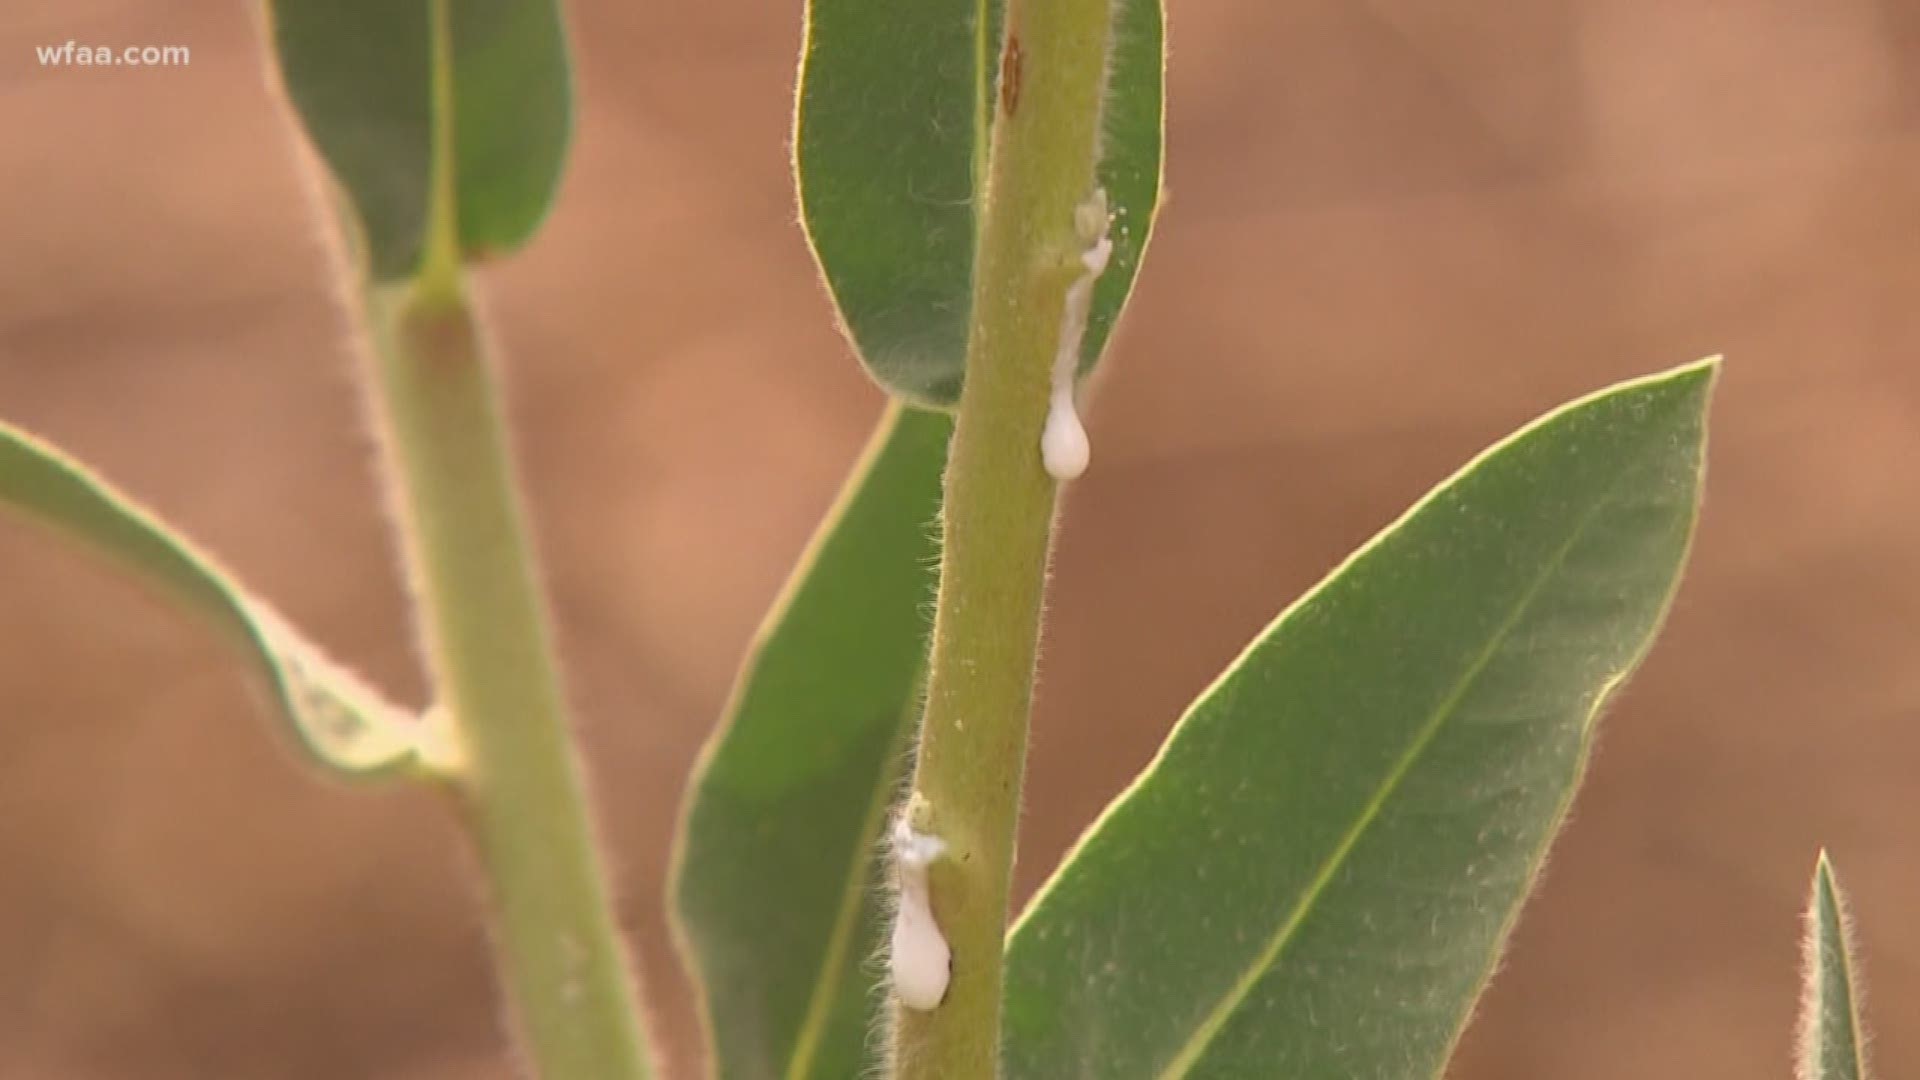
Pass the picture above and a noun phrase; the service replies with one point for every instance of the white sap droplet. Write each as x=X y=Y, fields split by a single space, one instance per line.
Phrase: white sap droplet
x=919 y=960
x=1063 y=443
x=1064 y=447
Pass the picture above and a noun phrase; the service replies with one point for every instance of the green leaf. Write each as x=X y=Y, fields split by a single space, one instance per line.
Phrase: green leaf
x=360 y=74
x=775 y=896
x=1315 y=876
x=1832 y=1043
x=338 y=720
x=890 y=138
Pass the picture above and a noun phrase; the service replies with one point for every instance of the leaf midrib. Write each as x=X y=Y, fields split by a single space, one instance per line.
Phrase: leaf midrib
x=1842 y=950
x=1196 y=1046
x=807 y=1041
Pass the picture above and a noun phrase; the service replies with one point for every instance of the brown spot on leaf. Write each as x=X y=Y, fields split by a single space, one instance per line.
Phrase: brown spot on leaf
x=1011 y=63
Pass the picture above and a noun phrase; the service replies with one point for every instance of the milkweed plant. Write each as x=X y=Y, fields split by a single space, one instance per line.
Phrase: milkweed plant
x=1314 y=876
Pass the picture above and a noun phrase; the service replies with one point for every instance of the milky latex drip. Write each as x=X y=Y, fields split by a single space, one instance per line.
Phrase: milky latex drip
x=1063 y=443
x=919 y=960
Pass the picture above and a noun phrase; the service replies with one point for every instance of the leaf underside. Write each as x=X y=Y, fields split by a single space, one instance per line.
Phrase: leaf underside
x=359 y=74
x=895 y=103
x=776 y=904
x=1314 y=877
x=340 y=722
x=1832 y=1040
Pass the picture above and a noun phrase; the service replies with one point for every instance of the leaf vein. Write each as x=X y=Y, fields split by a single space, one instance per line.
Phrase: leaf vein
x=1217 y=1018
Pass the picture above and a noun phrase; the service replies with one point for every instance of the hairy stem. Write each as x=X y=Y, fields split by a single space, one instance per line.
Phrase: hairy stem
x=998 y=516
x=486 y=641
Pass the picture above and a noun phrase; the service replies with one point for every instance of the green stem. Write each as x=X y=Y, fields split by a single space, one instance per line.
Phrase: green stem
x=998 y=517
x=486 y=641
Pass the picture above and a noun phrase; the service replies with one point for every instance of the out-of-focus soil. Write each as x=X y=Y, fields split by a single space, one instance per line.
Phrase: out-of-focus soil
x=1396 y=231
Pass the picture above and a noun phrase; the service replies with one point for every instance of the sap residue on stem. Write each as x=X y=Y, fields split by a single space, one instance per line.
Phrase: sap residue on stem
x=1064 y=448
x=918 y=959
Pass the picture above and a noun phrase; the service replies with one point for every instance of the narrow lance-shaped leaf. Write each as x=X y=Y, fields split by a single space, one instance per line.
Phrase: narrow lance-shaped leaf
x=1832 y=1041
x=337 y=719
x=360 y=74
x=890 y=142
x=775 y=895
x=1314 y=877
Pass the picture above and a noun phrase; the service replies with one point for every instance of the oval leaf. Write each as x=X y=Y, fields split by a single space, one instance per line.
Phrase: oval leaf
x=1832 y=1042
x=360 y=73
x=1314 y=877
x=890 y=141
x=336 y=718
x=775 y=898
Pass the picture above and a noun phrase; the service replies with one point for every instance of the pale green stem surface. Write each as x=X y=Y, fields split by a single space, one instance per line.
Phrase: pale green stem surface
x=486 y=638
x=998 y=517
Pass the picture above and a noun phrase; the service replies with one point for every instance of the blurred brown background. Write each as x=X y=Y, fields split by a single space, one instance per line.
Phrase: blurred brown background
x=1397 y=230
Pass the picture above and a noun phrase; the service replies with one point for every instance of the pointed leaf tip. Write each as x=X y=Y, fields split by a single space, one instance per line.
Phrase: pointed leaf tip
x=1832 y=1039
x=1315 y=875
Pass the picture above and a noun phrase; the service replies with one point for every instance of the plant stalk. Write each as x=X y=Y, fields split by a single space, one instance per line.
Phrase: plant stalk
x=487 y=645
x=998 y=516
